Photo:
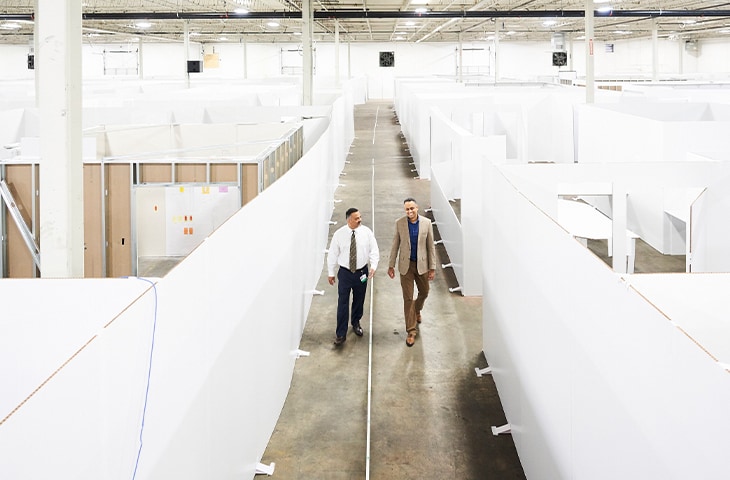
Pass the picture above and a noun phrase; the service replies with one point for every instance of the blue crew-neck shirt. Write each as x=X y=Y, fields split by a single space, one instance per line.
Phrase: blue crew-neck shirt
x=413 y=233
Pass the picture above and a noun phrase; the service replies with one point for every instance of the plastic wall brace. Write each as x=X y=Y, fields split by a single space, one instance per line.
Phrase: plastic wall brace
x=446 y=265
x=483 y=371
x=455 y=289
x=262 y=469
x=503 y=429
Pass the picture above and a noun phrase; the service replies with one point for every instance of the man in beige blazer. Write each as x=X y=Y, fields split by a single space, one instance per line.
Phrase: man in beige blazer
x=413 y=248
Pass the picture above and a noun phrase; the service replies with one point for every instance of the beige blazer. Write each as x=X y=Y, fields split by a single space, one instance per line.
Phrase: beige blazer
x=401 y=249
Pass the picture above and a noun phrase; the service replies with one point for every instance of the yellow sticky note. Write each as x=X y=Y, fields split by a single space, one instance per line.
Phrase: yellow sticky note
x=182 y=189
x=206 y=190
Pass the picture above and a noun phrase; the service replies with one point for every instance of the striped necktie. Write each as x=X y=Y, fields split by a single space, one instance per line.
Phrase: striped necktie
x=353 y=252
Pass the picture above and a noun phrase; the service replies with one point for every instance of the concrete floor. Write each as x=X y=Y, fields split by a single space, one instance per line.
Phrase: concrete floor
x=430 y=415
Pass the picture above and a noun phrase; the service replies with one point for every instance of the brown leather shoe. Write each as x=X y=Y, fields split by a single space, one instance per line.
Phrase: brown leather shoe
x=340 y=340
x=411 y=339
x=418 y=318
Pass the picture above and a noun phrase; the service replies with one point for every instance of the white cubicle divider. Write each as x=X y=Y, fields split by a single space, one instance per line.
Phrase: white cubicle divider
x=187 y=379
x=596 y=382
x=657 y=191
x=457 y=175
x=413 y=114
x=649 y=131
x=39 y=336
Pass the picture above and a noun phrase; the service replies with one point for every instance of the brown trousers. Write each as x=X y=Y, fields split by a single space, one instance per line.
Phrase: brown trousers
x=411 y=307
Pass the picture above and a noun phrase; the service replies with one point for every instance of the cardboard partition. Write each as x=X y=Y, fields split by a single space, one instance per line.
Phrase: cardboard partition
x=649 y=132
x=654 y=188
x=588 y=371
x=186 y=380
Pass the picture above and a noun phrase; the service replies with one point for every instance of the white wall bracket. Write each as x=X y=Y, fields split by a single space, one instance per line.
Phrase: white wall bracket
x=446 y=265
x=338 y=201
x=301 y=353
x=500 y=430
x=455 y=289
x=317 y=292
x=438 y=242
x=332 y=222
x=341 y=185
x=262 y=469
x=483 y=371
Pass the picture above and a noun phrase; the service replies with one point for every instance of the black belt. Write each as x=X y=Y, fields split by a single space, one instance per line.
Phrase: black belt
x=353 y=271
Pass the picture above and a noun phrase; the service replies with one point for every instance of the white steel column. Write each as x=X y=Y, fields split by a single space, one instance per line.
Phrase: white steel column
x=58 y=60
x=349 y=62
x=571 y=67
x=337 y=53
x=590 y=75
x=245 y=58
x=460 y=61
x=680 y=59
x=186 y=46
x=140 y=57
x=496 y=51
x=307 y=70
x=654 y=50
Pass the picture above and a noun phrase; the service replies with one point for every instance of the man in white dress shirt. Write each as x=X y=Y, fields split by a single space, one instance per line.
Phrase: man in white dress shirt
x=353 y=256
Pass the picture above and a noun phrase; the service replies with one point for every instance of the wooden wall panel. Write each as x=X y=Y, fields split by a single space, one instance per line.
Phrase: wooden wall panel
x=155 y=173
x=191 y=173
x=224 y=172
x=93 y=238
x=118 y=220
x=20 y=182
x=250 y=182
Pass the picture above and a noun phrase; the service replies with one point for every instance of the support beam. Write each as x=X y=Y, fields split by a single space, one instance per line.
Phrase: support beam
x=307 y=64
x=590 y=75
x=58 y=64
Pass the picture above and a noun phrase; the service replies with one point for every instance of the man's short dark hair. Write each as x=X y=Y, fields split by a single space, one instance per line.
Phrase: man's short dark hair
x=350 y=211
x=410 y=199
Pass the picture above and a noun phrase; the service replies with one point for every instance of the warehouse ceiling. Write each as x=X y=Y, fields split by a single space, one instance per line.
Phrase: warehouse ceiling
x=269 y=21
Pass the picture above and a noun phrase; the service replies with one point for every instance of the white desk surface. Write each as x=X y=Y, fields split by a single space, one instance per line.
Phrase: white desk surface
x=698 y=303
x=582 y=220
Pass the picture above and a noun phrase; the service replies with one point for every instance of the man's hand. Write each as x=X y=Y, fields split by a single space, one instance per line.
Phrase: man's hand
x=331 y=280
x=391 y=272
x=431 y=274
x=372 y=273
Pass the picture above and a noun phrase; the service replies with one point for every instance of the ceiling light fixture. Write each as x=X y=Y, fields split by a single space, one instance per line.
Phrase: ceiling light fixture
x=272 y=24
x=143 y=25
x=421 y=10
x=241 y=11
x=10 y=26
x=549 y=23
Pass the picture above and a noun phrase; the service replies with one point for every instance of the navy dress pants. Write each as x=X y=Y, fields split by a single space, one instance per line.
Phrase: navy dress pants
x=347 y=282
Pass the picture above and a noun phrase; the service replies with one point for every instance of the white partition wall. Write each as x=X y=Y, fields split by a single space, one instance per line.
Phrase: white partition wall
x=182 y=377
x=596 y=382
x=650 y=131
x=457 y=175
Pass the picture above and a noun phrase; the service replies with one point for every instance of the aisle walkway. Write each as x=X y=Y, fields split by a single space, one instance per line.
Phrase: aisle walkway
x=430 y=415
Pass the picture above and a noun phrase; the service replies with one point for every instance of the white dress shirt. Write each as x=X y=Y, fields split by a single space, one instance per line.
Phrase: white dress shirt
x=339 y=251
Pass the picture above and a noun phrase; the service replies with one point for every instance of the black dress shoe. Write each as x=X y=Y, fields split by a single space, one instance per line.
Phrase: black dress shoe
x=340 y=340
x=357 y=329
